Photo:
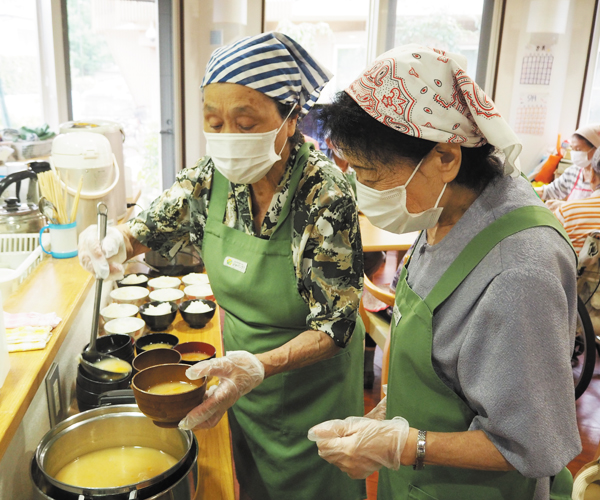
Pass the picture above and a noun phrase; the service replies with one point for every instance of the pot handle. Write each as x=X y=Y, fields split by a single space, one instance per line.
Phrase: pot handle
x=95 y=195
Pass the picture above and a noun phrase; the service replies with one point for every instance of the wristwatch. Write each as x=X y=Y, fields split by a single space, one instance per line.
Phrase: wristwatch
x=420 y=457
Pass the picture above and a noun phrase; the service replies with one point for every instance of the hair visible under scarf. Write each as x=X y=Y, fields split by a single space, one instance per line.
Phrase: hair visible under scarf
x=273 y=64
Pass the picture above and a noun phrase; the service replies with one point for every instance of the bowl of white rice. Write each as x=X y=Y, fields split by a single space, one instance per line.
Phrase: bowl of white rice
x=164 y=282
x=114 y=311
x=195 y=279
x=158 y=315
x=197 y=313
x=134 y=327
x=202 y=291
x=135 y=295
x=167 y=295
x=133 y=279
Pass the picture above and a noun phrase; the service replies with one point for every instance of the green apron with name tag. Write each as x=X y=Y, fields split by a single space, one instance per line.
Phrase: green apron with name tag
x=254 y=281
x=417 y=393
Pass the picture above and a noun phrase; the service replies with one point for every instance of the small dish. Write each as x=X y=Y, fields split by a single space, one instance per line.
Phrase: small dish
x=134 y=327
x=203 y=291
x=134 y=279
x=194 y=352
x=116 y=310
x=135 y=295
x=164 y=282
x=166 y=295
x=167 y=409
x=155 y=341
x=195 y=279
x=146 y=359
x=160 y=321
x=197 y=319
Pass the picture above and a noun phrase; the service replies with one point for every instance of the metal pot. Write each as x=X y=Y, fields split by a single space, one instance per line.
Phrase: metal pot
x=114 y=426
x=17 y=217
x=186 y=261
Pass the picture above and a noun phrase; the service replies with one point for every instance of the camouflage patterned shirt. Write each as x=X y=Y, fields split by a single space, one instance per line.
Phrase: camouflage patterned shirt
x=326 y=244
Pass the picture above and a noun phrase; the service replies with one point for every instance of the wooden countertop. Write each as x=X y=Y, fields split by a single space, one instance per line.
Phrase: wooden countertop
x=55 y=285
x=375 y=239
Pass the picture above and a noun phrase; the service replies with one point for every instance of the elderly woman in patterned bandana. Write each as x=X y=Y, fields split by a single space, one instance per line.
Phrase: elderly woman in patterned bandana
x=480 y=400
x=278 y=230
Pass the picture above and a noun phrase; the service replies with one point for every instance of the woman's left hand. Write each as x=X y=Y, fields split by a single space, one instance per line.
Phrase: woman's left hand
x=239 y=372
x=360 y=446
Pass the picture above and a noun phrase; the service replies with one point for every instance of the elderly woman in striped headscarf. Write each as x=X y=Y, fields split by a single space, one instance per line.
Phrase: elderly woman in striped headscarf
x=480 y=399
x=277 y=227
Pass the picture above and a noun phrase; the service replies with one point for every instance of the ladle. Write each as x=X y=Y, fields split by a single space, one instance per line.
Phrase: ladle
x=89 y=357
x=48 y=209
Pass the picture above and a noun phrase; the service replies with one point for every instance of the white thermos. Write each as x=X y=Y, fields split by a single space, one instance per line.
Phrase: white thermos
x=4 y=361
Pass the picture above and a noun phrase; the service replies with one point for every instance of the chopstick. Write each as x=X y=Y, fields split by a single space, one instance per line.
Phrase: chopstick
x=51 y=188
x=76 y=201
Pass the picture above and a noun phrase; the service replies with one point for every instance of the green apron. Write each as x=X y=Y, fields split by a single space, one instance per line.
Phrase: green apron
x=417 y=393
x=254 y=281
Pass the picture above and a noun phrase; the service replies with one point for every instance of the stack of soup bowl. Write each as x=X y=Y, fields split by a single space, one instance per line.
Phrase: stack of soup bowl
x=88 y=388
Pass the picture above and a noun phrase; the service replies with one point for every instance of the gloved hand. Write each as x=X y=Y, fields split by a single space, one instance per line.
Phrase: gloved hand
x=378 y=413
x=239 y=372
x=359 y=446
x=104 y=262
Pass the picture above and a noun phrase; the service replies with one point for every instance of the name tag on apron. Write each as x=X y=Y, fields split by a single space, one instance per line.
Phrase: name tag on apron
x=236 y=264
x=397 y=315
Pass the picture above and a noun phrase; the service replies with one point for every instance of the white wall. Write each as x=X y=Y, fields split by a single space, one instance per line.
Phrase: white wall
x=198 y=23
x=562 y=95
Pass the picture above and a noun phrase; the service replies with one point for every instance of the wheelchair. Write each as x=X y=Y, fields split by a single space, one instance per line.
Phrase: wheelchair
x=587 y=335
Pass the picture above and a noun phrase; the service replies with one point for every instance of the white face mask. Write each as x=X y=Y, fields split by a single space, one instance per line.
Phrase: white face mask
x=387 y=209
x=580 y=158
x=244 y=158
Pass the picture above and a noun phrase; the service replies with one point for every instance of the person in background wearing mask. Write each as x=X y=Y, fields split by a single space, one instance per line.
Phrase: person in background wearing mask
x=277 y=226
x=480 y=401
x=571 y=185
x=581 y=217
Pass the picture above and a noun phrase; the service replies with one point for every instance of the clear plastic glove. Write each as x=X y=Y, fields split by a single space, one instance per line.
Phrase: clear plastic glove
x=239 y=372
x=360 y=446
x=104 y=262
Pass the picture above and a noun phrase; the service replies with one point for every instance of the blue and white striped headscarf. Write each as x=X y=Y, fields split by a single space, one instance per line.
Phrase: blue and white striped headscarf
x=271 y=63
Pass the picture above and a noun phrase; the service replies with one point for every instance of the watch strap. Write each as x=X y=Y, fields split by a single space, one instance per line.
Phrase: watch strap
x=420 y=456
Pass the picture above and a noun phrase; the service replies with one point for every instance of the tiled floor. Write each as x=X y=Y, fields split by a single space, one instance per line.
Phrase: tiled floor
x=588 y=405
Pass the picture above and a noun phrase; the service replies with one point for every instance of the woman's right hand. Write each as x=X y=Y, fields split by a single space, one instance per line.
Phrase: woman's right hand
x=103 y=261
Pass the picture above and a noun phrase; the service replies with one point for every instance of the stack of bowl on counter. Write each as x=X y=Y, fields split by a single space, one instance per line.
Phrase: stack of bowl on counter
x=135 y=329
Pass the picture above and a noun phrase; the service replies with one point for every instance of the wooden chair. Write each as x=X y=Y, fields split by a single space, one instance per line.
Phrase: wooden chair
x=377 y=327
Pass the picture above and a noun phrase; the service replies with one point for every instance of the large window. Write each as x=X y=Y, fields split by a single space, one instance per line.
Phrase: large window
x=453 y=26
x=335 y=32
x=20 y=80
x=591 y=105
x=115 y=76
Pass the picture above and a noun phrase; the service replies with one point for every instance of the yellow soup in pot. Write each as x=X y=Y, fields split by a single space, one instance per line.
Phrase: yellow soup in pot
x=114 y=467
x=158 y=345
x=113 y=365
x=194 y=356
x=171 y=388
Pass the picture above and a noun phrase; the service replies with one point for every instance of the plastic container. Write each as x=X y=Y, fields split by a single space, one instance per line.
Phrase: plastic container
x=4 y=359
